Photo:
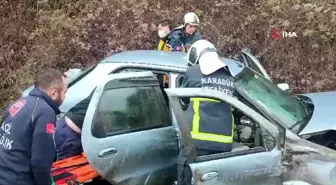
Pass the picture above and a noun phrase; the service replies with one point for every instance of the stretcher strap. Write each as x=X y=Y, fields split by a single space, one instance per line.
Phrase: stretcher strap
x=62 y=173
x=62 y=176
x=67 y=167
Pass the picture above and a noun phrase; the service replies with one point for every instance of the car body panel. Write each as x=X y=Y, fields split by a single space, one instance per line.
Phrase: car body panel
x=159 y=58
x=260 y=166
x=253 y=169
x=300 y=159
x=142 y=157
x=150 y=57
x=307 y=161
x=324 y=117
x=175 y=93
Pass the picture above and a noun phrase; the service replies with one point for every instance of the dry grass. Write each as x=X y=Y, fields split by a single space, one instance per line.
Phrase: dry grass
x=65 y=33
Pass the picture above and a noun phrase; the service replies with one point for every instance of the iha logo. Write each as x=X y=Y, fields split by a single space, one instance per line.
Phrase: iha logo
x=277 y=34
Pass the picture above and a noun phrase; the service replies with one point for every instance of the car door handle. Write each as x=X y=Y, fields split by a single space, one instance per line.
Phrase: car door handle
x=209 y=176
x=107 y=152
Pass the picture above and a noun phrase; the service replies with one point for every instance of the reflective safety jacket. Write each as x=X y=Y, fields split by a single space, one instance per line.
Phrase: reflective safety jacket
x=163 y=45
x=211 y=122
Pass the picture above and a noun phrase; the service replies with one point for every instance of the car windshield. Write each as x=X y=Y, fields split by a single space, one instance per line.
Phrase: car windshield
x=269 y=99
x=76 y=74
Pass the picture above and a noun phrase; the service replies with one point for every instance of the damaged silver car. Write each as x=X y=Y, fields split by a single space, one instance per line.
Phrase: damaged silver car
x=131 y=131
x=272 y=154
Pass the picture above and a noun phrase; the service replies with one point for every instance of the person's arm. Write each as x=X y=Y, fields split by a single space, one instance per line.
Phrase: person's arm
x=200 y=36
x=175 y=42
x=43 y=151
x=185 y=81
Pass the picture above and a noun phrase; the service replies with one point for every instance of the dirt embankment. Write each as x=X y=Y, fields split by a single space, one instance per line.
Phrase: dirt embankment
x=67 y=33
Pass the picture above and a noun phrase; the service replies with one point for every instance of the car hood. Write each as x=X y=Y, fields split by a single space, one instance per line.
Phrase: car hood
x=324 y=115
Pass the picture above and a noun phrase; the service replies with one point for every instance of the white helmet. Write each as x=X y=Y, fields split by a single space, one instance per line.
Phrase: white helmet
x=197 y=49
x=191 y=18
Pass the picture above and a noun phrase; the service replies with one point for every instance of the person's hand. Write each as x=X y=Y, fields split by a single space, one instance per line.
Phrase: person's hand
x=184 y=105
x=179 y=48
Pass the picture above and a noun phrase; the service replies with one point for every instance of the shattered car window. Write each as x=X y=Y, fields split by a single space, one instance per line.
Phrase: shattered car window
x=278 y=104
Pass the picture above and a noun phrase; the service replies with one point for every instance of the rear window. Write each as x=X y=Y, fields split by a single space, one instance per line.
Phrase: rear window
x=130 y=109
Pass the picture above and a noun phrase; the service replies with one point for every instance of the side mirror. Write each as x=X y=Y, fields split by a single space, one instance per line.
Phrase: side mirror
x=284 y=87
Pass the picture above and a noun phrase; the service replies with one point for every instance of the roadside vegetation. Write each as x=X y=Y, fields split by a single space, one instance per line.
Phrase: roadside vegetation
x=67 y=33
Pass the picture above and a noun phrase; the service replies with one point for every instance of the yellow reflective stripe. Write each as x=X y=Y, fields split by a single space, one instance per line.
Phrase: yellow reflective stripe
x=161 y=44
x=212 y=137
x=195 y=131
x=233 y=125
x=204 y=99
x=196 y=117
x=164 y=46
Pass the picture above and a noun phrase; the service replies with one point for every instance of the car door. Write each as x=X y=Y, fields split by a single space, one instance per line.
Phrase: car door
x=127 y=134
x=252 y=62
x=253 y=166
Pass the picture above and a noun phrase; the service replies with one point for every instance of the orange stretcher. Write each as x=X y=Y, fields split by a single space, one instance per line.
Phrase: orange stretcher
x=72 y=171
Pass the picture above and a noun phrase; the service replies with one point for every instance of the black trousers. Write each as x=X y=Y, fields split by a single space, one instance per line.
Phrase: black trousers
x=184 y=174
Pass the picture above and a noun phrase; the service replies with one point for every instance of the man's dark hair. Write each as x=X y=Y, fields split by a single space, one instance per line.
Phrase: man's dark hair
x=166 y=22
x=49 y=77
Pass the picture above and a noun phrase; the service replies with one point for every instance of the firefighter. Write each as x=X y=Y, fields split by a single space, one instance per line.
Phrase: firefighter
x=26 y=146
x=182 y=37
x=210 y=121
